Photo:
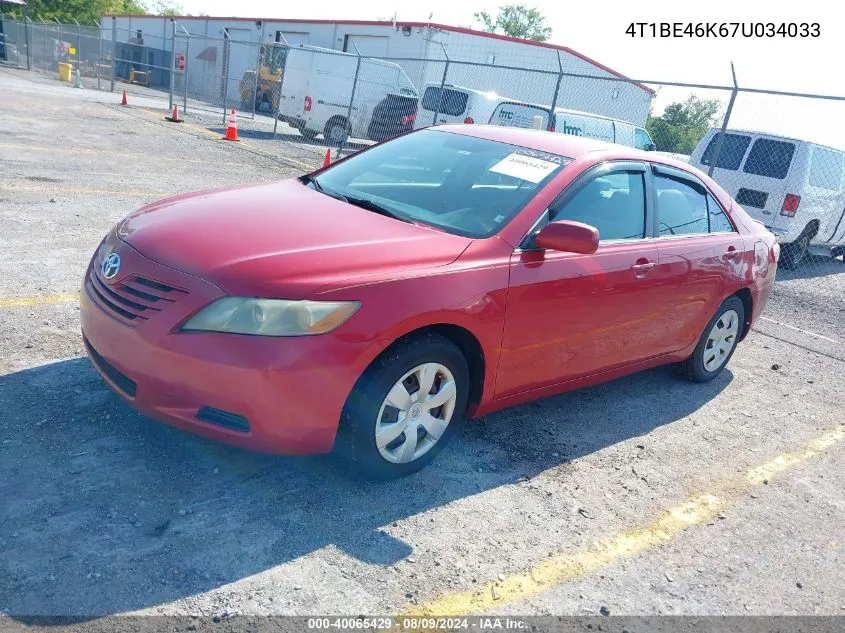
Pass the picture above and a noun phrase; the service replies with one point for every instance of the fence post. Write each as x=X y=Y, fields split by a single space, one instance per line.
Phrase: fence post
x=281 y=85
x=26 y=36
x=99 y=52
x=113 y=51
x=442 y=83
x=714 y=160
x=351 y=99
x=172 y=64
x=60 y=42
x=78 y=47
x=185 y=74
x=225 y=87
x=44 y=28
x=557 y=90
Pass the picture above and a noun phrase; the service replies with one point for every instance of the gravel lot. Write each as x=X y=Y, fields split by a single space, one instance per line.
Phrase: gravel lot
x=634 y=497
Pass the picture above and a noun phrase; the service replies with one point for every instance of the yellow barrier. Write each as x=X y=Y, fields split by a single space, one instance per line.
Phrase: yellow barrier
x=65 y=71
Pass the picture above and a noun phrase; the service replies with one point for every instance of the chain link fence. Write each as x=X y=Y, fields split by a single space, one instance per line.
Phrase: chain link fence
x=779 y=154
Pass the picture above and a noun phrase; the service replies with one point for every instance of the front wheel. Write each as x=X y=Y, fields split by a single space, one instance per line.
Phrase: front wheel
x=405 y=407
x=717 y=343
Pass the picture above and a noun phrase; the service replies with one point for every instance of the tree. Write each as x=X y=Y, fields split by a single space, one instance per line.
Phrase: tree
x=516 y=20
x=165 y=7
x=84 y=11
x=683 y=124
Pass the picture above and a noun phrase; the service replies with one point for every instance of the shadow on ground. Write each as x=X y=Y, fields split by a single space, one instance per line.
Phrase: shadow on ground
x=106 y=511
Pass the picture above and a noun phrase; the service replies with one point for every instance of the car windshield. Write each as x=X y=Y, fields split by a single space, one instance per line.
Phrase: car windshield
x=461 y=184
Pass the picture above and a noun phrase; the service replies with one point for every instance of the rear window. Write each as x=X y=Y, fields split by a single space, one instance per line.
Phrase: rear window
x=826 y=169
x=453 y=103
x=769 y=158
x=730 y=156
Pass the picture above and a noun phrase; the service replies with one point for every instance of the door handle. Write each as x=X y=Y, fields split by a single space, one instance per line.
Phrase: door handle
x=641 y=268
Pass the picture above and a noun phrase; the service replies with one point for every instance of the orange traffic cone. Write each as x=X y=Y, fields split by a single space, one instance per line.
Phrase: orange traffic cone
x=328 y=159
x=232 y=127
x=124 y=101
x=174 y=116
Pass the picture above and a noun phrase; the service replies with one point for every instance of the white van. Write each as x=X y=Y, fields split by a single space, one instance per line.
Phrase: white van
x=317 y=85
x=796 y=188
x=516 y=114
x=455 y=104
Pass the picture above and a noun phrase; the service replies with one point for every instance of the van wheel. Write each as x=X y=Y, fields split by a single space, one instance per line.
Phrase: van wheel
x=336 y=131
x=794 y=253
x=717 y=343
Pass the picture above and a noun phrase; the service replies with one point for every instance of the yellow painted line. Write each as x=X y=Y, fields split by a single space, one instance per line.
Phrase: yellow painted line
x=291 y=161
x=104 y=152
x=19 y=302
x=87 y=190
x=559 y=569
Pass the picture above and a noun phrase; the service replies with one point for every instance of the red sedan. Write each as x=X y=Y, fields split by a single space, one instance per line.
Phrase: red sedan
x=374 y=304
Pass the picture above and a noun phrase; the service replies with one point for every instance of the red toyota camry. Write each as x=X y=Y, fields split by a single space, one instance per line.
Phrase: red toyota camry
x=373 y=305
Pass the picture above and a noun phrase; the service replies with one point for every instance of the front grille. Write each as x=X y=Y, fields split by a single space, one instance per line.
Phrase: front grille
x=123 y=382
x=133 y=300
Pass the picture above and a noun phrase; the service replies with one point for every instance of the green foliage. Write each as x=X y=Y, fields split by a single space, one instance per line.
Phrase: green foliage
x=516 y=20
x=91 y=11
x=683 y=124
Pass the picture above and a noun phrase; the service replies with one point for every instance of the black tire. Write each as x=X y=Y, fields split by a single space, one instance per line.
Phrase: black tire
x=792 y=254
x=356 y=439
x=336 y=122
x=693 y=368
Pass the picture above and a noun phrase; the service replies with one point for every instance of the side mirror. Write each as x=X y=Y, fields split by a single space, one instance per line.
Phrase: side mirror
x=650 y=147
x=568 y=236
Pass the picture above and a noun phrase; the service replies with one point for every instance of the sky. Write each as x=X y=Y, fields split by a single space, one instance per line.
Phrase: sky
x=597 y=29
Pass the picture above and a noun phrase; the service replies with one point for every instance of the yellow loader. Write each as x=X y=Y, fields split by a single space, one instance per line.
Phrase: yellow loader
x=262 y=86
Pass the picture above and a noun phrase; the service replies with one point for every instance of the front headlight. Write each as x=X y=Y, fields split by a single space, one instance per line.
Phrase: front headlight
x=271 y=317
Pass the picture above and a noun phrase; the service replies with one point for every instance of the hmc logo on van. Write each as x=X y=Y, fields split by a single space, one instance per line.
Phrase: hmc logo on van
x=571 y=129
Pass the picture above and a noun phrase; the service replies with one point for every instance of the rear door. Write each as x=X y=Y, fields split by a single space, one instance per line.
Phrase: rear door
x=824 y=192
x=701 y=257
x=513 y=114
x=440 y=106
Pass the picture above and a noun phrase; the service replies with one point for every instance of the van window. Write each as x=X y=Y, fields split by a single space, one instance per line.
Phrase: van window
x=769 y=158
x=733 y=149
x=641 y=139
x=826 y=169
x=453 y=103
x=681 y=208
x=614 y=204
x=719 y=222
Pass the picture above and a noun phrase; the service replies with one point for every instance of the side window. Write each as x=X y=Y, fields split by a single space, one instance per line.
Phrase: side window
x=826 y=169
x=613 y=203
x=681 y=207
x=769 y=158
x=641 y=139
x=719 y=222
x=730 y=156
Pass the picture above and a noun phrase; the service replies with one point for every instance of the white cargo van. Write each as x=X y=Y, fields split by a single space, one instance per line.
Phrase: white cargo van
x=317 y=85
x=516 y=114
x=795 y=188
x=455 y=104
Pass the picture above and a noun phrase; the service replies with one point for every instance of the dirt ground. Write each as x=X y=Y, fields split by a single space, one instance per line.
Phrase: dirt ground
x=643 y=496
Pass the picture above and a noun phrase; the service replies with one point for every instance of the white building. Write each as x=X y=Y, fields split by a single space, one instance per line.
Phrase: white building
x=416 y=46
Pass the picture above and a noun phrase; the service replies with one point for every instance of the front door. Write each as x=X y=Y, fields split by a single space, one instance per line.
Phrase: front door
x=570 y=315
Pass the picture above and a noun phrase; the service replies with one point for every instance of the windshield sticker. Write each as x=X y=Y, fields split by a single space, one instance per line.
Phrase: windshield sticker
x=552 y=158
x=524 y=167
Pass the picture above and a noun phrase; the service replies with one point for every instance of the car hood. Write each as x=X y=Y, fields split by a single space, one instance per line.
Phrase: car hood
x=281 y=239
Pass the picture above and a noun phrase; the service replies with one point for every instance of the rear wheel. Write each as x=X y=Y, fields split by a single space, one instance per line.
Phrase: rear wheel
x=717 y=343
x=405 y=407
x=336 y=131
x=792 y=254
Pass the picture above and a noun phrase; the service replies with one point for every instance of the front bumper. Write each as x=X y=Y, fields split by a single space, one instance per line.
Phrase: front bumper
x=282 y=395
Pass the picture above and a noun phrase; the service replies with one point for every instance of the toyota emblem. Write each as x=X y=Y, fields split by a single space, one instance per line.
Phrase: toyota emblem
x=111 y=264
